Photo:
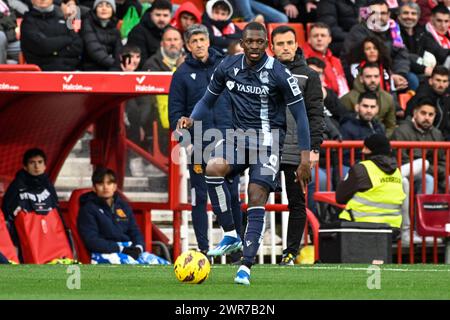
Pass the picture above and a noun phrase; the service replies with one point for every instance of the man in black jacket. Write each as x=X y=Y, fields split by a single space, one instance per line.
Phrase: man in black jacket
x=47 y=41
x=437 y=90
x=284 y=47
x=413 y=36
x=341 y=16
x=147 y=34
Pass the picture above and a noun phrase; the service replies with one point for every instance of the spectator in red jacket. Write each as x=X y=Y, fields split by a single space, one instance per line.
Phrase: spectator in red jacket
x=318 y=41
x=185 y=16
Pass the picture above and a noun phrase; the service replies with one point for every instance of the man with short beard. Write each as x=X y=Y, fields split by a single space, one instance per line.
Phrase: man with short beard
x=420 y=128
x=361 y=124
x=436 y=88
x=147 y=34
x=166 y=58
x=413 y=36
x=369 y=81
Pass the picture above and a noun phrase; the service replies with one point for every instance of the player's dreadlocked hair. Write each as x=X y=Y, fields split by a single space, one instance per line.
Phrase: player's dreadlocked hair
x=255 y=26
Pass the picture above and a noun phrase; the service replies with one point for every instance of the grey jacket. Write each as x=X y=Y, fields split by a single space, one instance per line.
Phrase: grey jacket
x=408 y=132
x=311 y=87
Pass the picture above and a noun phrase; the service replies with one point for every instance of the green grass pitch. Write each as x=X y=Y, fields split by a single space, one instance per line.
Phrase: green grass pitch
x=268 y=282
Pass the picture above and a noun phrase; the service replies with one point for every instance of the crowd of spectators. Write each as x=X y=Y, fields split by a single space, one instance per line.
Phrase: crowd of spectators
x=369 y=48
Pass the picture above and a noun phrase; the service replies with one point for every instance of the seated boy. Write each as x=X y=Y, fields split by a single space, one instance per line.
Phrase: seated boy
x=107 y=225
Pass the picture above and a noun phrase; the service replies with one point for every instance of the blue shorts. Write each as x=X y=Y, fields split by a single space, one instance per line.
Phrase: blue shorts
x=262 y=161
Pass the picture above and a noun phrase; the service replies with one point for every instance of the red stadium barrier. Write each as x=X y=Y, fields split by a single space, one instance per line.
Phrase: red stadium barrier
x=96 y=98
x=398 y=147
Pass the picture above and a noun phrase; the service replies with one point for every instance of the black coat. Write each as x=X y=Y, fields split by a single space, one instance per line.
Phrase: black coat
x=147 y=36
x=340 y=15
x=420 y=42
x=102 y=44
x=46 y=41
x=432 y=46
x=442 y=103
x=311 y=87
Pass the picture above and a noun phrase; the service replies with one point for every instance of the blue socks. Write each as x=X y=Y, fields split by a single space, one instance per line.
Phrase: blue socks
x=253 y=234
x=220 y=197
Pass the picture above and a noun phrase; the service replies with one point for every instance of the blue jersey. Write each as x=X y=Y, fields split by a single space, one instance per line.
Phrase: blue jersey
x=259 y=94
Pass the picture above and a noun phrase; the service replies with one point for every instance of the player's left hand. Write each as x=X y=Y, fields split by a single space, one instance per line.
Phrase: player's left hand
x=185 y=123
x=304 y=175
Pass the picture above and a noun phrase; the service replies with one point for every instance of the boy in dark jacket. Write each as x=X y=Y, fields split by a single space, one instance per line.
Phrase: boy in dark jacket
x=47 y=41
x=107 y=226
x=217 y=18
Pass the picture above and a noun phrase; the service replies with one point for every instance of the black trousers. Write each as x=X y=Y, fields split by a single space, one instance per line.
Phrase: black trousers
x=297 y=210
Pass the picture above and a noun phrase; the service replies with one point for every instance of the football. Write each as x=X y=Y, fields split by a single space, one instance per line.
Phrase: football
x=192 y=267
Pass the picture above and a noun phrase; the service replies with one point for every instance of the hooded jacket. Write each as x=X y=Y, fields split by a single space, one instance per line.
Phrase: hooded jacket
x=102 y=226
x=102 y=44
x=221 y=33
x=385 y=101
x=311 y=87
x=46 y=41
x=358 y=179
x=147 y=36
x=186 y=7
x=188 y=85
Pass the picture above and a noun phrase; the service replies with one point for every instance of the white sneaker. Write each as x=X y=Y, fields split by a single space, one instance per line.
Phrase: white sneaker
x=418 y=239
x=137 y=167
x=406 y=238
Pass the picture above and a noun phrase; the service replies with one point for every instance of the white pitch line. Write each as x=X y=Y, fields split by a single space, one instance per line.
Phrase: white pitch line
x=382 y=269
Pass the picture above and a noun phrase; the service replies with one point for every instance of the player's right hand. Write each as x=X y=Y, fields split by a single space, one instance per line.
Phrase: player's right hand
x=185 y=123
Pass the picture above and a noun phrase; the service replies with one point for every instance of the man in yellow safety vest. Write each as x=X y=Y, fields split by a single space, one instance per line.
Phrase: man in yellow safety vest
x=372 y=190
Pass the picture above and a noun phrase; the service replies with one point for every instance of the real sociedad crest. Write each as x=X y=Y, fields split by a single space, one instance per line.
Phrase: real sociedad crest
x=264 y=76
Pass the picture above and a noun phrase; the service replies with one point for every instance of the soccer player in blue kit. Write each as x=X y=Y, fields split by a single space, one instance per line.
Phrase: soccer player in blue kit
x=260 y=88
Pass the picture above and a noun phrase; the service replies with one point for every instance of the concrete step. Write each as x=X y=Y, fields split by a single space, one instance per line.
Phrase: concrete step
x=76 y=167
x=85 y=182
x=133 y=196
